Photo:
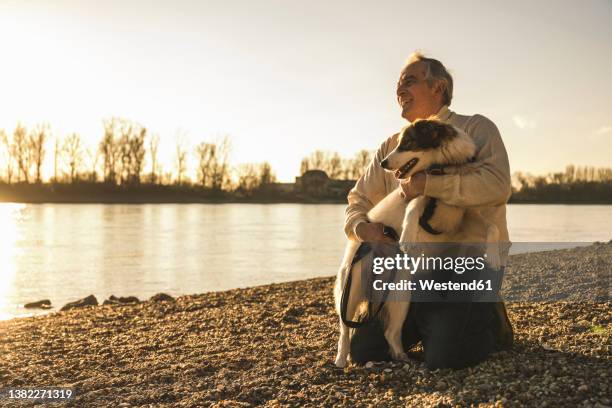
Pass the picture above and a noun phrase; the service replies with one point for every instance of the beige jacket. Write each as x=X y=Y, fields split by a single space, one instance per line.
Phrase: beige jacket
x=482 y=187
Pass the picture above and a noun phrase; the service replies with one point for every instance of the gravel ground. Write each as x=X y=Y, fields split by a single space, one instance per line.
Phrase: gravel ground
x=274 y=345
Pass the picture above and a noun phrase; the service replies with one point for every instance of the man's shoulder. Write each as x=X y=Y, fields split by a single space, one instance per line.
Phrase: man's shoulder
x=474 y=124
x=470 y=121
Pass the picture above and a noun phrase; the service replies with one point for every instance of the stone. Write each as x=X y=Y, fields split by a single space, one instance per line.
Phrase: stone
x=41 y=304
x=88 y=301
x=162 y=297
x=441 y=385
x=114 y=300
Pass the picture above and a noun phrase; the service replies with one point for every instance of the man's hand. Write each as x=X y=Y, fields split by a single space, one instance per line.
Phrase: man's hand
x=413 y=186
x=372 y=232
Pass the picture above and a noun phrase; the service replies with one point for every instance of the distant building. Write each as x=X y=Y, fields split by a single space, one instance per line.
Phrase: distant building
x=316 y=183
x=313 y=183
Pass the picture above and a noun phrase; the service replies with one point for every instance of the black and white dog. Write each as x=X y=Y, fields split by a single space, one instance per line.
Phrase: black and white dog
x=423 y=145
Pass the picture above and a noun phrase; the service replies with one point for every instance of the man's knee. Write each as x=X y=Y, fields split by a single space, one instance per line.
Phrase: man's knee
x=455 y=353
x=442 y=357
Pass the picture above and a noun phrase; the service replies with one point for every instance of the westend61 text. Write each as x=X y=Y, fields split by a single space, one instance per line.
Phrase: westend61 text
x=429 y=285
x=413 y=264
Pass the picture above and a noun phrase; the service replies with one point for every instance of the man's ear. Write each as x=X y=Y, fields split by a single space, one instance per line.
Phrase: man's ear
x=439 y=88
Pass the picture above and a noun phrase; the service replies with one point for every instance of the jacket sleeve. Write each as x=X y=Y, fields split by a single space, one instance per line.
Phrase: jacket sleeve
x=368 y=191
x=486 y=182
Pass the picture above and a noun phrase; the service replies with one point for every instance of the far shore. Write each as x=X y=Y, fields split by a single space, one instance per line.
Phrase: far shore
x=274 y=345
x=84 y=192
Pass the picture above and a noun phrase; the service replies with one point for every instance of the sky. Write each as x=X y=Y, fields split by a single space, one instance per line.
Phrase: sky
x=285 y=78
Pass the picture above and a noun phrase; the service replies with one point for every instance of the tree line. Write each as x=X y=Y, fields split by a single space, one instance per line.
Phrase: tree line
x=126 y=155
x=577 y=184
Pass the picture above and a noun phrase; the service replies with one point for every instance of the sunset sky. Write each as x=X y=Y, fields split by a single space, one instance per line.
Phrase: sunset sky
x=283 y=78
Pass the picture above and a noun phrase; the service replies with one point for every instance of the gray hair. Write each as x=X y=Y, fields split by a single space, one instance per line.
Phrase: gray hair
x=435 y=72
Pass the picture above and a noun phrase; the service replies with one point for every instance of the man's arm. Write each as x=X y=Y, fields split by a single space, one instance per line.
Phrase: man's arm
x=368 y=191
x=486 y=182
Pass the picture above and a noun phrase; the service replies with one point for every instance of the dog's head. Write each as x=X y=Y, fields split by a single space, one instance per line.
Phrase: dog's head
x=427 y=142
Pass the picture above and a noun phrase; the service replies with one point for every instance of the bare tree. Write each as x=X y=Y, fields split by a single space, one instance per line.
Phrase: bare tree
x=130 y=150
x=266 y=175
x=153 y=149
x=347 y=169
x=334 y=166
x=73 y=149
x=317 y=160
x=360 y=162
x=21 y=150
x=38 y=138
x=56 y=156
x=8 y=154
x=206 y=155
x=93 y=156
x=181 y=157
x=137 y=147
x=221 y=173
x=248 y=178
x=110 y=150
x=124 y=151
x=304 y=165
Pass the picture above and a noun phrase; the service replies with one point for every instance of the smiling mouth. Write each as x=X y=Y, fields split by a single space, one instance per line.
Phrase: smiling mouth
x=402 y=171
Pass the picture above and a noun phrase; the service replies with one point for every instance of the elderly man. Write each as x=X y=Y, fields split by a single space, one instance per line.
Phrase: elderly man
x=453 y=335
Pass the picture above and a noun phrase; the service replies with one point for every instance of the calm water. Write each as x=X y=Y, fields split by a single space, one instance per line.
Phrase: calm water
x=64 y=252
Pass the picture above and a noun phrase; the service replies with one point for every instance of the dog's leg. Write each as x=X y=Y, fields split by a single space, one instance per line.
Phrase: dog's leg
x=343 y=346
x=397 y=312
x=410 y=226
x=354 y=302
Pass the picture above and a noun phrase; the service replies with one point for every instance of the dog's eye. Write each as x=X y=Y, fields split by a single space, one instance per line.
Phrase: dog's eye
x=406 y=143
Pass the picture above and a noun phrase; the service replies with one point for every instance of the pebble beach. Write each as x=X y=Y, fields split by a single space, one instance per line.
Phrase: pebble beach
x=274 y=345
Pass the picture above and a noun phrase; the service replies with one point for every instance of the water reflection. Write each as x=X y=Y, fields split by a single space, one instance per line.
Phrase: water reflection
x=10 y=216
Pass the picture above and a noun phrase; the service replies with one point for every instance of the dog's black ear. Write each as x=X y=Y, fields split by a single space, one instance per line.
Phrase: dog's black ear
x=426 y=127
x=446 y=131
x=428 y=133
x=433 y=132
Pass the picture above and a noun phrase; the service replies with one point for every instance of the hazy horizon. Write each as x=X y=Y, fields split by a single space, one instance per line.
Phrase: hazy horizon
x=285 y=79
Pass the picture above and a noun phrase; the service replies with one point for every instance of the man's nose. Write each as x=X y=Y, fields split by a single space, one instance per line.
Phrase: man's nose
x=384 y=164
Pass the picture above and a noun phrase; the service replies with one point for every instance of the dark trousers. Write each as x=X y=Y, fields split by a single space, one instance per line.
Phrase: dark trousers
x=453 y=335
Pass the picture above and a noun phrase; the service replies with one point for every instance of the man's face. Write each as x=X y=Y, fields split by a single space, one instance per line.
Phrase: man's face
x=417 y=99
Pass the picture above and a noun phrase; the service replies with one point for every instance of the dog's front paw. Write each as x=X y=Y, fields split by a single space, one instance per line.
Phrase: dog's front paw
x=401 y=356
x=340 y=361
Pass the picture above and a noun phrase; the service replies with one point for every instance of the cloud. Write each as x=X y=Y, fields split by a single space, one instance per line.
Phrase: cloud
x=523 y=123
x=604 y=130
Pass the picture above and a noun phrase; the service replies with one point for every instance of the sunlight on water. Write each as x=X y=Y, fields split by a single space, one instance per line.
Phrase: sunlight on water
x=10 y=215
